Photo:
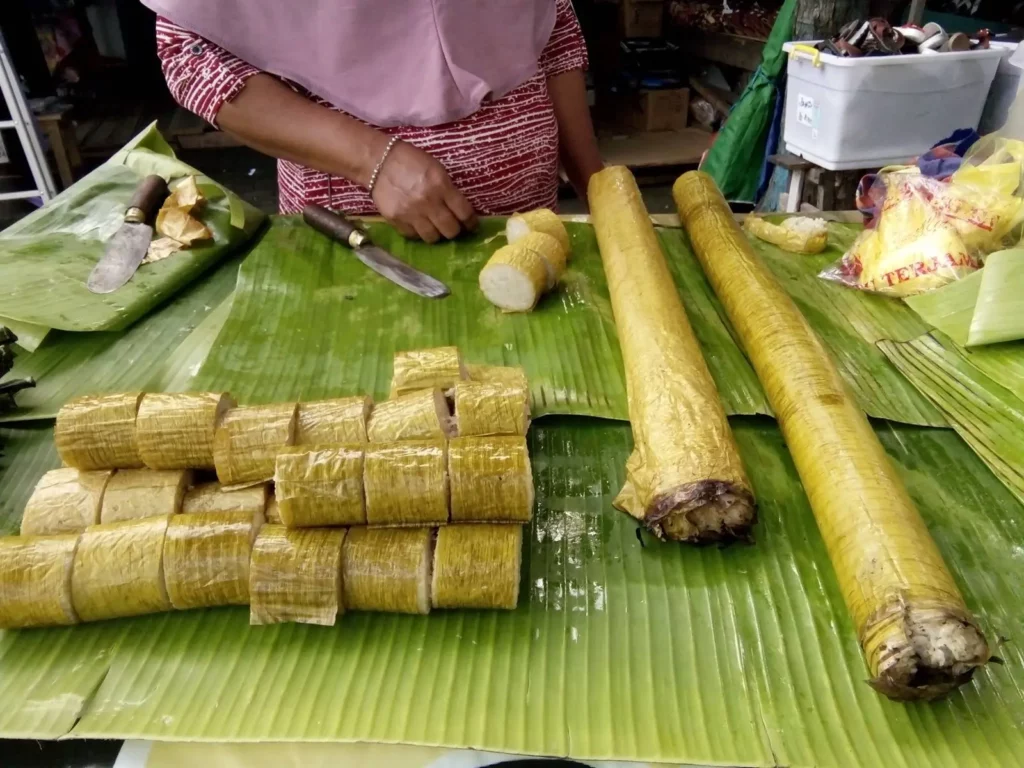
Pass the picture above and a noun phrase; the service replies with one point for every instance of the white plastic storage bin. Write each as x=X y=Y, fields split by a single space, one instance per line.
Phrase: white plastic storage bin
x=1003 y=92
x=844 y=113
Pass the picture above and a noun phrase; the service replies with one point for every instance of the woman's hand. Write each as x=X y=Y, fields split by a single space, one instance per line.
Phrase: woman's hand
x=415 y=195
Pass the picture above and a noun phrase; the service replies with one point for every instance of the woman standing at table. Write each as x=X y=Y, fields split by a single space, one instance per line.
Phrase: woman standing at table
x=425 y=111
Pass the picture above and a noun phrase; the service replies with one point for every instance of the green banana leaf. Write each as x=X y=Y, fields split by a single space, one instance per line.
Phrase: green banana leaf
x=29 y=336
x=989 y=417
x=622 y=647
x=71 y=364
x=986 y=307
x=46 y=257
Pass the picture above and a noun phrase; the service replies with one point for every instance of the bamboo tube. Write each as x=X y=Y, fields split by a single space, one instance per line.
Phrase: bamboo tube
x=512 y=376
x=387 y=569
x=684 y=480
x=491 y=408
x=98 y=432
x=420 y=415
x=477 y=566
x=64 y=501
x=119 y=571
x=213 y=498
x=35 y=580
x=176 y=430
x=549 y=249
x=206 y=558
x=918 y=637
x=295 y=575
x=514 y=278
x=540 y=220
x=136 y=493
x=333 y=422
x=490 y=479
x=406 y=483
x=317 y=487
x=437 y=368
x=248 y=441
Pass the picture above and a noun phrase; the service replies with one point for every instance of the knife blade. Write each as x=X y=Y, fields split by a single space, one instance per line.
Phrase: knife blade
x=127 y=248
x=340 y=229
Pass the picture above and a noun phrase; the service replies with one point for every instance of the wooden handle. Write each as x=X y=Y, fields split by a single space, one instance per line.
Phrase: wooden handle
x=334 y=225
x=148 y=196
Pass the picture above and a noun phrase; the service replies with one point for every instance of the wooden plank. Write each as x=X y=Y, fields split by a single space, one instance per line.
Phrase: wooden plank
x=209 y=140
x=723 y=48
x=651 y=150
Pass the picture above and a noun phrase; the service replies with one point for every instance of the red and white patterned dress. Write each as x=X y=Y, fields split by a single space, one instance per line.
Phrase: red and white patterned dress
x=504 y=157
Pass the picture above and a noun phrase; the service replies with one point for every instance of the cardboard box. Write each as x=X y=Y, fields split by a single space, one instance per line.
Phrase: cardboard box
x=642 y=18
x=649 y=111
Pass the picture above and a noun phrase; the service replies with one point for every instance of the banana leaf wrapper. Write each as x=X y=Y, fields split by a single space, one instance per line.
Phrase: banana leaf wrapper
x=918 y=637
x=213 y=498
x=206 y=558
x=491 y=408
x=684 y=480
x=406 y=483
x=421 y=415
x=64 y=501
x=133 y=494
x=477 y=566
x=295 y=576
x=387 y=569
x=510 y=375
x=548 y=248
x=491 y=479
x=35 y=581
x=333 y=422
x=248 y=441
x=320 y=486
x=514 y=278
x=274 y=511
x=119 y=570
x=541 y=220
x=98 y=432
x=437 y=368
x=176 y=430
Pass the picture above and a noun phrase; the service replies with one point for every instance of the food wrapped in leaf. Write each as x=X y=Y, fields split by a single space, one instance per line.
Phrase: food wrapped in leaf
x=416 y=416
x=437 y=368
x=491 y=408
x=477 y=566
x=320 y=486
x=119 y=570
x=136 y=493
x=512 y=376
x=64 y=501
x=919 y=639
x=684 y=480
x=295 y=575
x=176 y=430
x=177 y=217
x=514 y=278
x=333 y=422
x=387 y=569
x=206 y=558
x=248 y=441
x=541 y=220
x=98 y=432
x=797 y=235
x=548 y=248
x=490 y=479
x=274 y=511
x=214 y=498
x=406 y=483
x=35 y=580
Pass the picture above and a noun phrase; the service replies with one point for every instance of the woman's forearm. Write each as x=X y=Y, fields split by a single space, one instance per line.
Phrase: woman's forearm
x=578 y=150
x=270 y=117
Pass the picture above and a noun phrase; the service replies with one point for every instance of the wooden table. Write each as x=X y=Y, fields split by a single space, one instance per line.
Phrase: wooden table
x=55 y=123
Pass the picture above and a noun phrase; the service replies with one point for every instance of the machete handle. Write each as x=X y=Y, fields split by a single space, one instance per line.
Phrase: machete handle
x=146 y=199
x=334 y=225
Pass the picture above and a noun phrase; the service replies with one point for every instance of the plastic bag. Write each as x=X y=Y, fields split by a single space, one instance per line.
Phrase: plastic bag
x=931 y=232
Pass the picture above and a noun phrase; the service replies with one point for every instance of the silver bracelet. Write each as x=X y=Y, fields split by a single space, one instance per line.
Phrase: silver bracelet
x=380 y=164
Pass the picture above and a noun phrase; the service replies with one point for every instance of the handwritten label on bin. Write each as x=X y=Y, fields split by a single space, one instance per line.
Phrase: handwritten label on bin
x=806 y=111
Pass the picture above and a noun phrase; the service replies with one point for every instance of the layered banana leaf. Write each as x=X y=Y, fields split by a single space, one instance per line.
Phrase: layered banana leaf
x=621 y=648
x=46 y=257
x=987 y=415
x=309 y=298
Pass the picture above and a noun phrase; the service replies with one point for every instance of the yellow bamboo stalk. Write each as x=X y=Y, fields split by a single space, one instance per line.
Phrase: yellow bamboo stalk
x=64 y=501
x=918 y=637
x=387 y=569
x=35 y=580
x=333 y=422
x=491 y=479
x=477 y=566
x=176 y=430
x=98 y=432
x=206 y=558
x=684 y=480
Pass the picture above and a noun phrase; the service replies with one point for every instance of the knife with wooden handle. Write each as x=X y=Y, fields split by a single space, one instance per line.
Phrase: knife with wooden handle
x=128 y=247
x=338 y=228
